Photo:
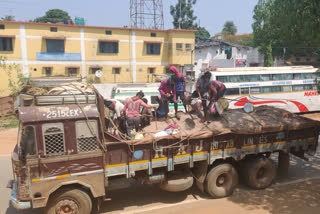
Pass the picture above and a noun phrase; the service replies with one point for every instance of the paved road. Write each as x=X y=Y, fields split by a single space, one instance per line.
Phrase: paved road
x=300 y=193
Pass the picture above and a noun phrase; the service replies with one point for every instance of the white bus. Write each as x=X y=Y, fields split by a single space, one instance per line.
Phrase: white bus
x=292 y=88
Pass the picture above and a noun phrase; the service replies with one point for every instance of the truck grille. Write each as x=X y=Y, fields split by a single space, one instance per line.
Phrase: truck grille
x=87 y=144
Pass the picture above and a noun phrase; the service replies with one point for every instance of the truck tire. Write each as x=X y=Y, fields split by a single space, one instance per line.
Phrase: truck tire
x=70 y=201
x=259 y=173
x=221 y=180
x=177 y=182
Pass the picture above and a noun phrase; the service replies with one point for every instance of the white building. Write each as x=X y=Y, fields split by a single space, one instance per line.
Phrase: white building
x=210 y=54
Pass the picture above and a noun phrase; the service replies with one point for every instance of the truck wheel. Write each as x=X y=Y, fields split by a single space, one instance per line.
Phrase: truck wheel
x=221 y=180
x=73 y=201
x=260 y=173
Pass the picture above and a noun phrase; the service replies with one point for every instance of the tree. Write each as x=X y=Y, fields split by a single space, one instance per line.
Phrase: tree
x=290 y=24
x=8 y=18
x=230 y=27
x=182 y=13
x=202 y=33
x=183 y=18
x=54 y=16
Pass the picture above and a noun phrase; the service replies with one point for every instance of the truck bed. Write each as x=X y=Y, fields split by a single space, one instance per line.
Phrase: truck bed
x=264 y=119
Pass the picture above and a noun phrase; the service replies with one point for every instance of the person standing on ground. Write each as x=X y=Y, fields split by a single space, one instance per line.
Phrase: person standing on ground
x=180 y=87
x=167 y=92
x=202 y=86
x=131 y=112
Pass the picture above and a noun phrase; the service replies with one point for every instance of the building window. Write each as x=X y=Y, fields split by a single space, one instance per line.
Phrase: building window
x=72 y=71
x=153 y=34
x=54 y=29
x=48 y=71
x=153 y=48
x=2 y=27
x=55 y=46
x=179 y=46
x=6 y=44
x=108 y=32
x=53 y=138
x=116 y=70
x=94 y=69
x=188 y=46
x=109 y=47
x=151 y=70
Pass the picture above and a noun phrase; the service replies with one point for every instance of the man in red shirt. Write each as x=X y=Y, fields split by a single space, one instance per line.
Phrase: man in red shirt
x=131 y=112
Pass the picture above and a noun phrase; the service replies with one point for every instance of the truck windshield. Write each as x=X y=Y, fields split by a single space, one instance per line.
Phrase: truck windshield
x=28 y=142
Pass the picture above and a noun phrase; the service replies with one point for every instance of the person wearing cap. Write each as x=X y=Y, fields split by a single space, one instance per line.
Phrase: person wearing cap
x=131 y=112
x=180 y=87
x=167 y=92
x=202 y=86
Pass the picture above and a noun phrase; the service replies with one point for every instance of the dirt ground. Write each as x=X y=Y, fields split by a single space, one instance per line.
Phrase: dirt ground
x=8 y=140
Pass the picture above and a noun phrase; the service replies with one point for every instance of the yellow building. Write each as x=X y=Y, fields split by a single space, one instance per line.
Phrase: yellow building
x=124 y=55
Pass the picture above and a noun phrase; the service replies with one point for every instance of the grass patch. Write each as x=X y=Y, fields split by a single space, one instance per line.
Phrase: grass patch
x=7 y=122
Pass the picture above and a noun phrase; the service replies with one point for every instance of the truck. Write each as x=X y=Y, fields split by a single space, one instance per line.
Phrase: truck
x=66 y=161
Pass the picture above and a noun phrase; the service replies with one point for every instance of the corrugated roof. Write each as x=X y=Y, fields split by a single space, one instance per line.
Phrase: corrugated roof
x=203 y=43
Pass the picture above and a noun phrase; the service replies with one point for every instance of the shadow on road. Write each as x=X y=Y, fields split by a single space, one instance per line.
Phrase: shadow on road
x=297 y=198
x=142 y=195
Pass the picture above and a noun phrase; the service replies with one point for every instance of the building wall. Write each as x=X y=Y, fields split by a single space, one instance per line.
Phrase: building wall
x=82 y=52
x=214 y=56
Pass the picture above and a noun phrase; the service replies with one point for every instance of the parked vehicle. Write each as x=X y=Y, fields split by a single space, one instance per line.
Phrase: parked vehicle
x=292 y=88
x=66 y=161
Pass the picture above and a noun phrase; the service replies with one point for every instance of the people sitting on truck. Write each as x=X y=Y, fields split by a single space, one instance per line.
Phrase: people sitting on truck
x=160 y=112
x=180 y=87
x=194 y=103
x=116 y=107
x=167 y=92
x=115 y=114
x=146 y=114
x=202 y=87
x=216 y=91
x=131 y=112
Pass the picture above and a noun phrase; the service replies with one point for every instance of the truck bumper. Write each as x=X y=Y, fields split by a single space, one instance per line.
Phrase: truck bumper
x=19 y=205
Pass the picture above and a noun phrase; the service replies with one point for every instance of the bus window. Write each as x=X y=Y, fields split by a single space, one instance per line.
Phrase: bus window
x=234 y=78
x=308 y=87
x=265 y=77
x=254 y=78
x=307 y=76
x=232 y=91
x=297 y=76
x=297 y=88
x=276 y=76
x=223 y=78
x=276 y=89
x=287 y=76
x=266 y=89
x=286 y=88
x=244 y=90
x=255 y=90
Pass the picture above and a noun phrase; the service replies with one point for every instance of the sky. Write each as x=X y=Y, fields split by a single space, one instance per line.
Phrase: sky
x=212 y=14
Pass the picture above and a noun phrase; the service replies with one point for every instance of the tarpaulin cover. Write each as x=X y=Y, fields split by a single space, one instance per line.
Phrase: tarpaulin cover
x=264 y=119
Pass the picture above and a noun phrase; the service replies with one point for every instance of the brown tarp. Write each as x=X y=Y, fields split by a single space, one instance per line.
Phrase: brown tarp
x=264 y=119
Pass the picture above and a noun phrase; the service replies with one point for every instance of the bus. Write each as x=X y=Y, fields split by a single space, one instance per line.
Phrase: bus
x=291 y=88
